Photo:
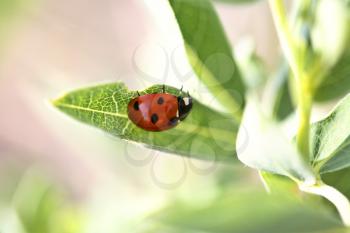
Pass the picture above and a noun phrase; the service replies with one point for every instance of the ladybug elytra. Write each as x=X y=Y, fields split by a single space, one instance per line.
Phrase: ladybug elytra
x=159 y=111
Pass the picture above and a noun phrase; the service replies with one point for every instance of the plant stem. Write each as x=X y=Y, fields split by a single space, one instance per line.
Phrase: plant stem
x=285 y=35
x=294 y=56
x=305 y=98
x=304 y=78
x=333 y=195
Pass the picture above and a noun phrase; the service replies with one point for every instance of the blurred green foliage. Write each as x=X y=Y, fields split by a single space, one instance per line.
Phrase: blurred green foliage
x=10 y=11
x=328 y=38
x=246 y=209
x=31 y=202
x=237 y=208
x=40 y=205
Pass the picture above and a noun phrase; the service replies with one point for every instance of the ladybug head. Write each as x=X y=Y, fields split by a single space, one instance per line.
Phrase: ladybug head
x=185 y=106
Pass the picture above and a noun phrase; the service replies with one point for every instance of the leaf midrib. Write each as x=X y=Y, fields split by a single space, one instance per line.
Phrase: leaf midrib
x=72 y=106
x=217 y=131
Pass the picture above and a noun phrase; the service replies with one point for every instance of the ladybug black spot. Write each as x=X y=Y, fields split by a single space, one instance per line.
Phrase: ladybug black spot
x=136 y=106
x=154 y=118
x=160 y=100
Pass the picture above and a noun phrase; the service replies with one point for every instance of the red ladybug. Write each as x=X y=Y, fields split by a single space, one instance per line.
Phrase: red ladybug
x=158 y=111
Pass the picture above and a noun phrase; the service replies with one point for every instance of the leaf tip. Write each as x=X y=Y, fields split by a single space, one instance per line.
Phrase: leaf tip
x=56 y=102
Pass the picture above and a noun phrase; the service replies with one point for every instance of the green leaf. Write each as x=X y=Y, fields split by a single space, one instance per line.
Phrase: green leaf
x=267 y=148
x=330 y=34
x=330 y=139
x=337 y=83
x=339 y=180
x=248 y=210
x=330 y=39
x=237 y=1
x=204 y=134
x=209 y=52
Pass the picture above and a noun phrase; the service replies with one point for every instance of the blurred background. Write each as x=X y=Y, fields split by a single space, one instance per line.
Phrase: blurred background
x=59 y=176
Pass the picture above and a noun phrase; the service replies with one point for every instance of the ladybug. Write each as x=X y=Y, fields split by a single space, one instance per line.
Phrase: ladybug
x=159 y=111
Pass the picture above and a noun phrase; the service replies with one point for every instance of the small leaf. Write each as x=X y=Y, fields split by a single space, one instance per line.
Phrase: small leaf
x=267 y=148
x=204 y=134
x=209 y=52
x=330 y=139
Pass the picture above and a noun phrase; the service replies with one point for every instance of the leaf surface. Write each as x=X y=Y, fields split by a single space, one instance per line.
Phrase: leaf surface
x=339 y=180
x=337 y=83
x=209 y=52
x=204 y=134
x=267 y=148
x=330 y=139
x=249 y=210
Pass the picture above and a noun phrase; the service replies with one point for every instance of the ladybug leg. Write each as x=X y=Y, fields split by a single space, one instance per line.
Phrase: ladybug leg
x=138 y=93
x=188 y=94
x=182 y=86
x=163 y=88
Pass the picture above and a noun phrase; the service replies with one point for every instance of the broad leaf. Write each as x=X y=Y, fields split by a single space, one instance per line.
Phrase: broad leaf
x=330 y=139
x=267 y=148
x=204 y=134
x=209 y=52
x=248 y=210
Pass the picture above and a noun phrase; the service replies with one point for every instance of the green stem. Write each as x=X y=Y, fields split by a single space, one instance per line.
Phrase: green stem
x=304 y=79
x=285 y=36
x=305 y=98
x=293 y=54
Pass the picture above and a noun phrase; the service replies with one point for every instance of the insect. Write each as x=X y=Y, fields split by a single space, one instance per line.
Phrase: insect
x=159 y=111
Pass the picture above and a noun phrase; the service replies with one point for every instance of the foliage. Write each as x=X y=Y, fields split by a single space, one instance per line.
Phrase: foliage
x=315 y=69
x=40 y=205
